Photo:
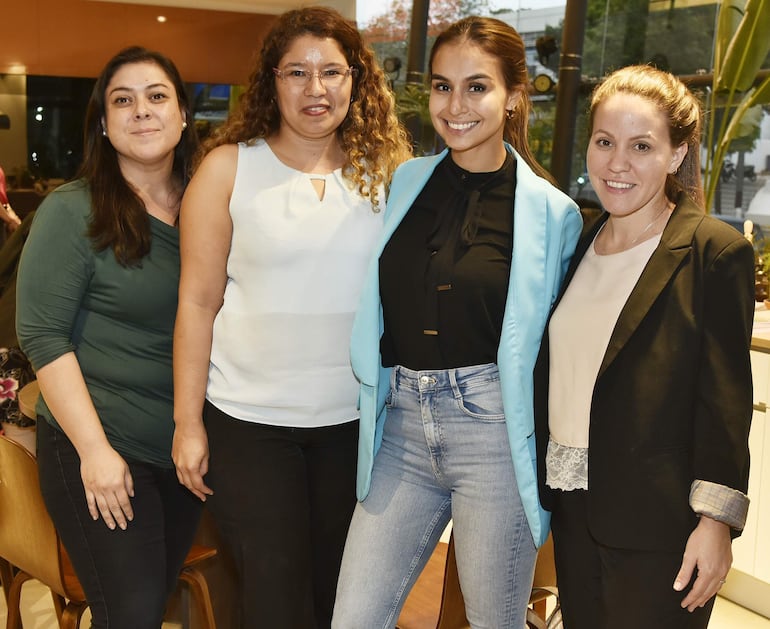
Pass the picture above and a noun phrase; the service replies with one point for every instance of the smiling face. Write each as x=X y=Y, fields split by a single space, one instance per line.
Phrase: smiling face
x=313 y=110
x=143 y=119
x=468 y=101
x=630 y=155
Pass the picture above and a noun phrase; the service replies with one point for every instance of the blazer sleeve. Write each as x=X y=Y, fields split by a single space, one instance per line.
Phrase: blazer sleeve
x=724 y=398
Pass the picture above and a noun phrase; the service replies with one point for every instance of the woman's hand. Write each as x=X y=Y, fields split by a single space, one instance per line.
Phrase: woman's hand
x=190 y=451
x=9 y=217
x=109 y=487
x=709 y=549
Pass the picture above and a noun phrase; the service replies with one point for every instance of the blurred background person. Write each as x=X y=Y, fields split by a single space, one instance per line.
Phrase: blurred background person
x=7 y=215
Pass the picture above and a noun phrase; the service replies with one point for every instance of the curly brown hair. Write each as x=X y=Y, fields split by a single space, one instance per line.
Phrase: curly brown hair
x=372 y=138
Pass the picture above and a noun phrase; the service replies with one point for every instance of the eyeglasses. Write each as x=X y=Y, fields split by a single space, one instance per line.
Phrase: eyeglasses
x=330 y=78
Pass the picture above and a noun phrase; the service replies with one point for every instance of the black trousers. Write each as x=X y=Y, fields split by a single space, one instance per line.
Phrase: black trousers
x=283 y=500
x=127 y=576
x=610 y=588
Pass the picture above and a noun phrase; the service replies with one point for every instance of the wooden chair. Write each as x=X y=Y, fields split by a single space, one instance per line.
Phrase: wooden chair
x=452 y=614
x=30 y=544
x=543 y=587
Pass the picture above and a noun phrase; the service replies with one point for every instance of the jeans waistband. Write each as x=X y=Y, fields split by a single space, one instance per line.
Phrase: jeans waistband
x=437 y=379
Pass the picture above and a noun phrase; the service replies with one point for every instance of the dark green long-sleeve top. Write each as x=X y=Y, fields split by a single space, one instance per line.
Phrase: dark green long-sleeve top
x=119 y=321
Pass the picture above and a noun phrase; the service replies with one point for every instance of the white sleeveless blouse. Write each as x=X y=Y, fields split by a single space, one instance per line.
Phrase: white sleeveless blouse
x=281 y=341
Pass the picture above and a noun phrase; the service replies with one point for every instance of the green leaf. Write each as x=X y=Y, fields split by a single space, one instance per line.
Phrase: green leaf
x=748 y=47
x=730 y=15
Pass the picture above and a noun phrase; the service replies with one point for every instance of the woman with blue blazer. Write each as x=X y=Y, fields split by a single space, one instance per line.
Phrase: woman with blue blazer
x=475 y=246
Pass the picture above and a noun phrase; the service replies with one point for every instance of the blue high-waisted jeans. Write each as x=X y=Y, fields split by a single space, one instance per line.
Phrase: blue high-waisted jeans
x=444 y=454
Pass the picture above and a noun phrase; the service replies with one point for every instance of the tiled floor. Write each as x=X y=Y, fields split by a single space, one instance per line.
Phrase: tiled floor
x=37 y=613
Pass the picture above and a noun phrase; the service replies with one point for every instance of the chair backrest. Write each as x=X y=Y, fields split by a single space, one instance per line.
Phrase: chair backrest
x=28 y=539
x=452 y=614
x=545 y=568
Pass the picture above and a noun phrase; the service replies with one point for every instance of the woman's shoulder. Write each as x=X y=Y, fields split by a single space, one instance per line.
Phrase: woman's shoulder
x=420 y=164
x=717 y=236
x=219 y=161
x=223 y=153
x=72 y=199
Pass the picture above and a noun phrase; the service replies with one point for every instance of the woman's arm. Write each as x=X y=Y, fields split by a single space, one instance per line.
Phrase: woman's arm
x=723 y=412
x=205 y=235
x=53 y=279
x=106 y=478
x=9 y=217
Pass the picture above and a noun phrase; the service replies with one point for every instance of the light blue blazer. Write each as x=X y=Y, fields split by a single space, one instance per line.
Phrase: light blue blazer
x=546 y=226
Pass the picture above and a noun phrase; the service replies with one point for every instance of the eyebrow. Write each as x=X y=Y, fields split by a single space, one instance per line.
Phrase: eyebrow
x=645 y=136
x=473 y=77
x=121 y=88
x=300 y=64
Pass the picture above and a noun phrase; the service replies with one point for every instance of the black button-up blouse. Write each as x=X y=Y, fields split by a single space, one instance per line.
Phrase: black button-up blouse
x=444 y=273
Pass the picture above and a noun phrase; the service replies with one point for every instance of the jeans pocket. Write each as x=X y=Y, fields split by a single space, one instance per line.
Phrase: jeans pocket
x=481 y=400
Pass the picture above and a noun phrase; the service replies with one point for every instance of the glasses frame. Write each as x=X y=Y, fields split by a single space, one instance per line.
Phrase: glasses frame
x=349 y=71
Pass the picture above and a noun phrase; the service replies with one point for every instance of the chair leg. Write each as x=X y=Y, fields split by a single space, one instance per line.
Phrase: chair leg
x=200 y=592
x=14 y=601
x=6 y=577
x=59 y=603
x=72 y=614
x=540 y=608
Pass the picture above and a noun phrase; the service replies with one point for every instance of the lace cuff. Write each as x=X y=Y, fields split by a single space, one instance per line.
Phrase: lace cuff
x=566 y=468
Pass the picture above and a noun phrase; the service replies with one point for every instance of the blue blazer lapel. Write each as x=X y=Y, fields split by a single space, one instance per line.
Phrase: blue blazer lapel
x=408 y=182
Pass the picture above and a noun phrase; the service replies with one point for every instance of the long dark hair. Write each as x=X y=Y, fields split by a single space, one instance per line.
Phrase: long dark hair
x=119 y=218
x=501 y=41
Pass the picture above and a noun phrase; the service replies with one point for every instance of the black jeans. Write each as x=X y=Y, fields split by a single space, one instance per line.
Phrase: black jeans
x=283 y=500
x=127 y=576
x=612 y=588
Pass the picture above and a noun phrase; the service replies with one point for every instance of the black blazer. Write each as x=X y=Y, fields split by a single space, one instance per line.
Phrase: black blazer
x=673 y=398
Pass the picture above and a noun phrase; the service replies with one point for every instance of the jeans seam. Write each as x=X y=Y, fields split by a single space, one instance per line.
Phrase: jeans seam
x=415 y=561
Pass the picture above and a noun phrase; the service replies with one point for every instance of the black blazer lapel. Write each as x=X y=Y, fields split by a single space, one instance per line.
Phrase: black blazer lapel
x=675 y=245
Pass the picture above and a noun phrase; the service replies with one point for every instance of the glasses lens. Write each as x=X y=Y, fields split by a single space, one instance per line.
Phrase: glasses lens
x=332 y=77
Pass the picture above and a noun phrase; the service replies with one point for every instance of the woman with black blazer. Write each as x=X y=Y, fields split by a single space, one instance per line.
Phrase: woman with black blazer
x=643 y=384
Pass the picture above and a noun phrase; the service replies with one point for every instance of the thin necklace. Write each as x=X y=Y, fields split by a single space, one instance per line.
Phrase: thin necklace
x=650 y=224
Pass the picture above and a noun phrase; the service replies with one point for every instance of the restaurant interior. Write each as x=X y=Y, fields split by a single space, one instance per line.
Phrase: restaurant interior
x=50 y=52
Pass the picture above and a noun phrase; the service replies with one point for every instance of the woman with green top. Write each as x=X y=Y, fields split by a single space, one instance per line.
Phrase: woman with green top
x=97 y=296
